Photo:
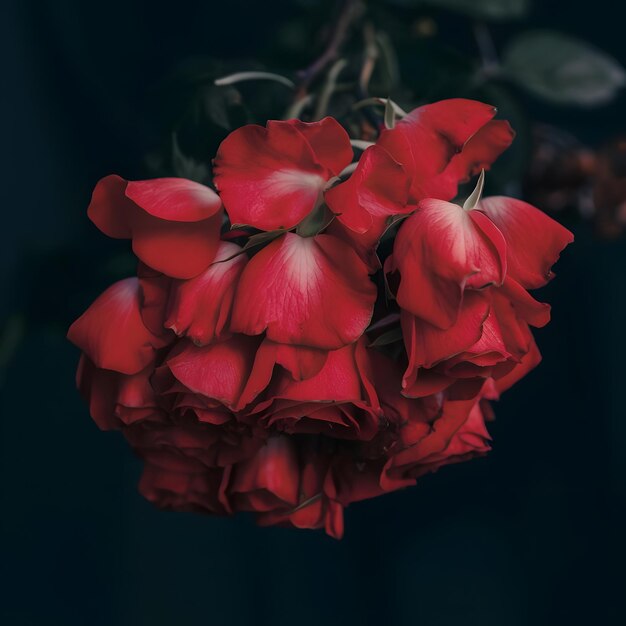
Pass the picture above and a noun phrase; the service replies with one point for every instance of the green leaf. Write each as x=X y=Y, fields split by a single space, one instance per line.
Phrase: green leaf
x=295 y=109
x=217 y=102
x=253 y=241
x=242 y=76
x=329 y=87
x=562 y=69
x=389 y=61
x=482 y=9
x=315 y=221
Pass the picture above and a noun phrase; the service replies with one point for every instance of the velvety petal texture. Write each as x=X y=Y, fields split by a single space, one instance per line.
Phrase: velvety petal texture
x=378 y=189
x=174 y=223
x=534 y=240
x=200 y=308
x=112 y=333
x=273 y=177
x=218 y=371
x=439 y=252
x=312 y=291
x=430 y=138
x=478 y=153
x=339 y=400
x=459 y=433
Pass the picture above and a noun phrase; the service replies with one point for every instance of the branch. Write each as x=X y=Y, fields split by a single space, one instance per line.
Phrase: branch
x=350 y=11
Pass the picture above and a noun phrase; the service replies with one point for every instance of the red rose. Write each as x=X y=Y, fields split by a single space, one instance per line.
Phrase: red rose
x=457 y=434
x=290 y=374
x=440 y=251
x=339 y=400
x=287 y=484
x=118 y=399
x=171 y=481
x=213 y=445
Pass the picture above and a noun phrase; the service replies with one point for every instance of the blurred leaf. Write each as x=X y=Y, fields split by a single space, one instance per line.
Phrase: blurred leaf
x=389 y=105
x=185 y=166
x=562 y=69
x=243 y=76
x=432 y=70
x=483 y=9
x=330 y=85
x=389 y=61
x=388 y=337
x=296 y=109
x=217 y=103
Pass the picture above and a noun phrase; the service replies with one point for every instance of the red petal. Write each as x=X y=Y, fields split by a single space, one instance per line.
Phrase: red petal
x=178 y=249
x=338 y=381
x=329 y=141
x=457 y=435
x=478 y=360
x=218 y=371
x=110 y=210
x=98 y=387
x=341 y=395
x=317 y=506
x=111 y=332
x=479 y=152
x=439 y=251
x=174 y=199
x=269 y=480
x=427 y=345
x=527 y=364
x=174 y=223
x=422 y=383
x=534 y=240
x=182 y=486
x=199 y=308
x=301 y=362
x=537 y=314
x=513 y=327
x=366 y=244
x=155 y=288
x=397 y=408
x=271 y=178
x=427 y=139
x=312 y=291
x=379 y=187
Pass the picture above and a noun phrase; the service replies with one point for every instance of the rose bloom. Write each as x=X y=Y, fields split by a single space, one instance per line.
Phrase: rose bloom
x=271 y=357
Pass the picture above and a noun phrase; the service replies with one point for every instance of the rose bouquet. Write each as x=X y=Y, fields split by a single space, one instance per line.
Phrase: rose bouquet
x=321 y=329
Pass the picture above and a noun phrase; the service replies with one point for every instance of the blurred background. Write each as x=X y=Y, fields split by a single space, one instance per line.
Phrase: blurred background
x=531 y=534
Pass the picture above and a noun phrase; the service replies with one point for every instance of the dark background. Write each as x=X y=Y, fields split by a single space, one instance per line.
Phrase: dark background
x=531 y=534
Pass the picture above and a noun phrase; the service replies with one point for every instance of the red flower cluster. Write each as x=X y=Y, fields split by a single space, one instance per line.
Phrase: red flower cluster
x=277 y=357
